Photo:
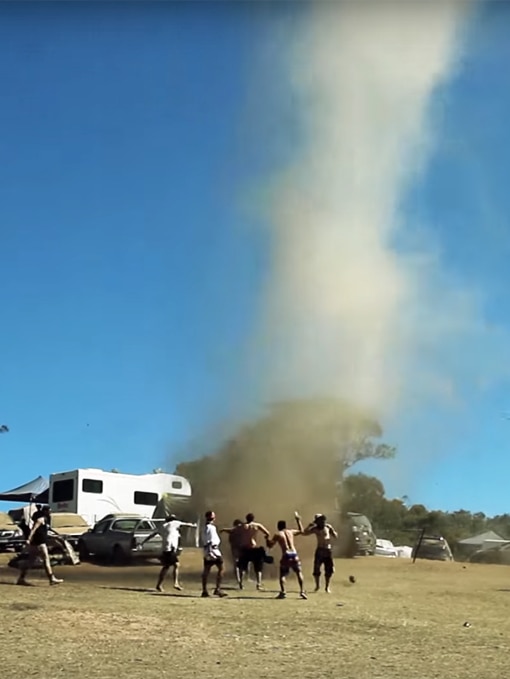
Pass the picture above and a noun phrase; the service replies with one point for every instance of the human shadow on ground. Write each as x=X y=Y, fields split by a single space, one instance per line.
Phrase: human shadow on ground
x=142 y=590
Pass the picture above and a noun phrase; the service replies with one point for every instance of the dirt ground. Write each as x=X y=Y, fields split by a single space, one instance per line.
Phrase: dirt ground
x=396 y=621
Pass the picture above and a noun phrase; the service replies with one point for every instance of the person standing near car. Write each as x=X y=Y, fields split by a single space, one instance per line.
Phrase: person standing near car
x=170 y=532
x=37 y=546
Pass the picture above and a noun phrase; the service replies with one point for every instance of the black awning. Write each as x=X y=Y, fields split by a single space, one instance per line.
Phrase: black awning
x=36 y=490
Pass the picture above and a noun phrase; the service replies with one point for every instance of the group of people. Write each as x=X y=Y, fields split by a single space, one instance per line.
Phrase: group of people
x=245 y=550
x=243 y=540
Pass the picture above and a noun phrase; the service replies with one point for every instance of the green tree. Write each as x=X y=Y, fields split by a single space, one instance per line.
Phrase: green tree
x=361 y=493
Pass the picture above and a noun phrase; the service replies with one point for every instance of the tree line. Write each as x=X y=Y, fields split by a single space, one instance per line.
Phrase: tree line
x=396 y=520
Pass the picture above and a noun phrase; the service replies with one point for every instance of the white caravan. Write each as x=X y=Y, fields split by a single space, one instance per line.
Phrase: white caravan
x=94 y=493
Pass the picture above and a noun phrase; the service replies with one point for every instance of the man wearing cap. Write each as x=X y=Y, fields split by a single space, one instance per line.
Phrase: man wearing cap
x=212 y=555
x=170 y=535
x=323 y=557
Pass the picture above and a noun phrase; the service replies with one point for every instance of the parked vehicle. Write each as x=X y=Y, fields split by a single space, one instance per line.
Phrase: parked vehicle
x=69 y=526
x=500 y=554
x=117 y=538
x=364 y=535
x=355 y=536
x=385 y=548
x=94 y=493
x=11 y=535
x=435 y=548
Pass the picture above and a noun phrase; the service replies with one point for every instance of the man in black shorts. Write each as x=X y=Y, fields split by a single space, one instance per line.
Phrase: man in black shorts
x=37 y=546
x=170 y=536
x=234 y=538
x=323 y=557
x=249 y=551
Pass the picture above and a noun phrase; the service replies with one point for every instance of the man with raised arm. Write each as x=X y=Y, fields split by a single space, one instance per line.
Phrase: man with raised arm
x=323 y=557
x=170 y=532
x=249 y=551
x=290 y=559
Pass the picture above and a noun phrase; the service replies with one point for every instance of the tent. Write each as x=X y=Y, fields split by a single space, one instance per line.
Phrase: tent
x=478 y=540
x=465 y=548
x=36 y=490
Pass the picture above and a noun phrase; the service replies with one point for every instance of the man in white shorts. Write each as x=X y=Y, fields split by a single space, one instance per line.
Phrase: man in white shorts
x=212 y=555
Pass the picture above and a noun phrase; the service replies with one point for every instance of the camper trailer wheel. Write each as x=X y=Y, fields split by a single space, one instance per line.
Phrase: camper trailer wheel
x=118 y=556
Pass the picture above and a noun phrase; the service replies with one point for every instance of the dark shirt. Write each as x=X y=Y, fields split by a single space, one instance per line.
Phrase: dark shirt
x=40 y=537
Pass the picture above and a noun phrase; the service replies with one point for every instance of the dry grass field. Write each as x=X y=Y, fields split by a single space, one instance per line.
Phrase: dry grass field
x=397 y=620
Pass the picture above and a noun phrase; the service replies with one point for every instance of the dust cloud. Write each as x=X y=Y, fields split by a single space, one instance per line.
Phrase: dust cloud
x=357 y=303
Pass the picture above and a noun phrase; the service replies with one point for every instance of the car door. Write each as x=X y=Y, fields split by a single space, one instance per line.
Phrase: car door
x=121 y=534
x=95 y=540
x=142 y=531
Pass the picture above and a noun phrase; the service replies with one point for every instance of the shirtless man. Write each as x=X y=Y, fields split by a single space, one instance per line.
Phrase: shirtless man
x=323 y=556
x=235 y=550
x=290 y=559
x=249 y=551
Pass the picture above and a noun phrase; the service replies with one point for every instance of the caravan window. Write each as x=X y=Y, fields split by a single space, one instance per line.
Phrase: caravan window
x=142 y=498
x=176 y=484
x=63 y=491
x=92 y=486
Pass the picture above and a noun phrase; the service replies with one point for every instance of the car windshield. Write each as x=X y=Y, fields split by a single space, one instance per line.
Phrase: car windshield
x=433 y=542
x=361 y=522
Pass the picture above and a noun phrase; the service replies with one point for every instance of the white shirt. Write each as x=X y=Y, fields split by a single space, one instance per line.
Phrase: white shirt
x=211 y=541
x=170 y=534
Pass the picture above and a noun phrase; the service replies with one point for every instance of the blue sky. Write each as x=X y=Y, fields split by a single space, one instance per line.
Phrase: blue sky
x=130 y=270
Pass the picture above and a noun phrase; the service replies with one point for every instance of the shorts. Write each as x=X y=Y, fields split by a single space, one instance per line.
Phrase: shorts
x=33 y=552
x=170 y=558
x=210 y=561
x=38 y=550
x=254 y=555
x=289 y=562
x=323 y=557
